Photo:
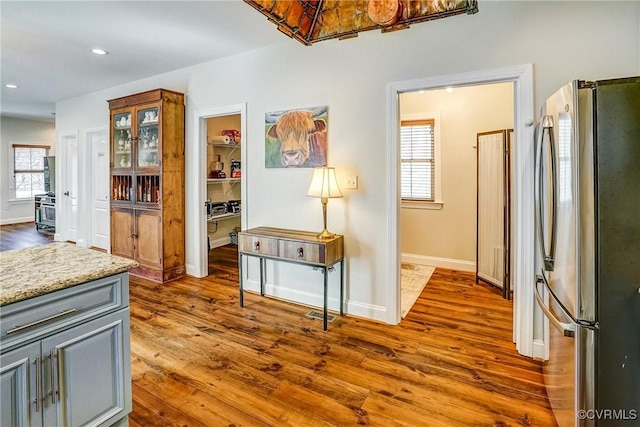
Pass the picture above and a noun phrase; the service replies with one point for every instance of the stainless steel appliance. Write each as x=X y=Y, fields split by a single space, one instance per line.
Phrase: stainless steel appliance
x=45 y=211
x=50 y=174
x=588 y=227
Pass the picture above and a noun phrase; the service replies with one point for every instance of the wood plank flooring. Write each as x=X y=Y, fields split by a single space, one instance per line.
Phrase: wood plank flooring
x=23 y=235
x=198 y=359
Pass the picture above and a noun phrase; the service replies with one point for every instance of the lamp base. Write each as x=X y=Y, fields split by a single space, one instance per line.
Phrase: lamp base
x=325 y=234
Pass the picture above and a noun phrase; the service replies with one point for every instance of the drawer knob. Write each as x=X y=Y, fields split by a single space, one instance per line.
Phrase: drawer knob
x=300 y=253
x=256 y=246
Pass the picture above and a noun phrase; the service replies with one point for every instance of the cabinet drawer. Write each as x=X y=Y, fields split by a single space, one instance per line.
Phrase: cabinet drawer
x=34 y=317
x=258 y=245
x=303 y=252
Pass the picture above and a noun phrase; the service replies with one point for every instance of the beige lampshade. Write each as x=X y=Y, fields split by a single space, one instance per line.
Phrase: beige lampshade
x=324 y=183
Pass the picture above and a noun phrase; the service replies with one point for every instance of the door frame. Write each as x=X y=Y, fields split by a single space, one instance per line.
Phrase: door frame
x=523 y=220
x=196 y=185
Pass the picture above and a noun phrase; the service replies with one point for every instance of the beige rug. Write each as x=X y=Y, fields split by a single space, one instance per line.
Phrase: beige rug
x=414 y=278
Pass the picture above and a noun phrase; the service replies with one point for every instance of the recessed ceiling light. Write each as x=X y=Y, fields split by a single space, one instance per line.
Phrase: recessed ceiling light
x=11 y=86
x=450 y=89
x=98 y=51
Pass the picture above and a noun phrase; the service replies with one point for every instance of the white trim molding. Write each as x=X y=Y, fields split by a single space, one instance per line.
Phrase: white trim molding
x=450 y=263
x=523 y=251
x=196 y=185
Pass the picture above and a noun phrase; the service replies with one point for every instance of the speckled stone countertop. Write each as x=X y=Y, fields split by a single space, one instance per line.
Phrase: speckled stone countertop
x=27 y=273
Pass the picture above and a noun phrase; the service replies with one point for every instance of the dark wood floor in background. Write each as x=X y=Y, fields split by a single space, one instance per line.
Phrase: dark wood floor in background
x=200 y=360
x=24 y=235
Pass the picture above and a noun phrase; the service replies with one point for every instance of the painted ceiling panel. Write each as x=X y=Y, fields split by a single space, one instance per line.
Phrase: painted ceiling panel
x=310 y=21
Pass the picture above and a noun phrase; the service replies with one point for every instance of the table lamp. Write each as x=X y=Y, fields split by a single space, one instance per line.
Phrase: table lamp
x=325 y=186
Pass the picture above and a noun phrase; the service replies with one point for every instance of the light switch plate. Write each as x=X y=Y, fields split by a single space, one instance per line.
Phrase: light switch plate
x=351 y=183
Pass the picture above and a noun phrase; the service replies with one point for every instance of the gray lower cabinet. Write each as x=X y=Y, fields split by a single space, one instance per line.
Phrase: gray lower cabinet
x=78 y=376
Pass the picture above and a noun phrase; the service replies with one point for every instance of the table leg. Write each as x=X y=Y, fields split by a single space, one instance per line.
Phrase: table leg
x=342 y=288
x=240 y=279
x=324 y=319
x=262 y=276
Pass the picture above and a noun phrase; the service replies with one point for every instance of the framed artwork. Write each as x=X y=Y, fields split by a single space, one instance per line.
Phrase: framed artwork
x=296 y=138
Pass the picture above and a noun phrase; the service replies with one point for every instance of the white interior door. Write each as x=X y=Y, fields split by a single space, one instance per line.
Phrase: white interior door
x=491 y=208
x=99 y=189
x=69 y=196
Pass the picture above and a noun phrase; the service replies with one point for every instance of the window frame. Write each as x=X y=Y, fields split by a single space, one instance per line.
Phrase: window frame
x=437 y=202
x=15 y=171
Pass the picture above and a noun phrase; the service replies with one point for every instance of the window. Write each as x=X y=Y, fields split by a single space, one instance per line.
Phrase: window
x=417 y=157
x=28 y=169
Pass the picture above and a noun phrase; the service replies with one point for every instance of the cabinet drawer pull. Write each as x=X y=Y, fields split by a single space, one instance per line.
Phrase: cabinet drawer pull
x=54 y=390
x=300 y=252
x=38 y=322
x=256 y=246
x=38 y=400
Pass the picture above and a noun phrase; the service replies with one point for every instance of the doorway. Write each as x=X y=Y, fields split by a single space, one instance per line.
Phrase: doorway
x=224 y=178
x=523 y=252
x=438 y=157
x=197 y=161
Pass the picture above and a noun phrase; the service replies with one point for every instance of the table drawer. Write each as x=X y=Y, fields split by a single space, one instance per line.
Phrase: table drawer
x=258 y=245
x=41 y=314
x=303 y=252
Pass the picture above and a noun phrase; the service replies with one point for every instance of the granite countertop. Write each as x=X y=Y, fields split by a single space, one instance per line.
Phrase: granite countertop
x=27 y=273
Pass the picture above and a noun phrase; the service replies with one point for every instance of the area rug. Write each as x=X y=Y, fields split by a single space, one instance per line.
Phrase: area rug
x=414 y=278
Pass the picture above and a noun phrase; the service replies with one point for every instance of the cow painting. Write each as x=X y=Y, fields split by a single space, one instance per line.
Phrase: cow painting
x=296 y=138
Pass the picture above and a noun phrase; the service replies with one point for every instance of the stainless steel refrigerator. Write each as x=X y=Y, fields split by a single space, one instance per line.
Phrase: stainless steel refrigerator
x=588 y=243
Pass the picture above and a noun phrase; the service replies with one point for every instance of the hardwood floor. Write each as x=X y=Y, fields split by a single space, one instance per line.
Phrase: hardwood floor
x=198 y=359
x=23 y=235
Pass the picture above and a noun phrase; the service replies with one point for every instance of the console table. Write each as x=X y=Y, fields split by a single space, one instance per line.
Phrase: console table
x=298 y=247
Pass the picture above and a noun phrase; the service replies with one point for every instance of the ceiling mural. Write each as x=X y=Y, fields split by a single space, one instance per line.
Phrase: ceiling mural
x=311 y=21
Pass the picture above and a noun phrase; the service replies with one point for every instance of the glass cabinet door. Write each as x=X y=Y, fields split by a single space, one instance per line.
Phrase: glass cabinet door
x=148 y=137
x=122 y=140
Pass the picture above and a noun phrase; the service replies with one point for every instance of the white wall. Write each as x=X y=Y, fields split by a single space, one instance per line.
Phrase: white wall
x=450 y=232
x=563 y=40
x=19 y=131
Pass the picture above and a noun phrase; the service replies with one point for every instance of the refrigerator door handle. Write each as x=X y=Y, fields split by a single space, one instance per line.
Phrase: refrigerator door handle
x=567 y=329
x=546 y=125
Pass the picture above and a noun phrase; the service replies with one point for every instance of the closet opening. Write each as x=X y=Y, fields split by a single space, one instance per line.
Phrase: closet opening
x=223 y=178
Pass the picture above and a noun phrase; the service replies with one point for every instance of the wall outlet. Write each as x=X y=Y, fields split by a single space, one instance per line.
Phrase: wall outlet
x=351 y=182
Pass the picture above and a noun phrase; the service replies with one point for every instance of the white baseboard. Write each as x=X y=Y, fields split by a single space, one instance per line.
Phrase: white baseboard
x=367 y=311
x=539 y=352
x=191 y=270
x=352 y=308
x=452 y=264
x=220 y=242
x=21 y=220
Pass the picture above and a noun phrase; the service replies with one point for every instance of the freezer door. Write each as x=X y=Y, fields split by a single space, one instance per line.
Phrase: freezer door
x=560 y=369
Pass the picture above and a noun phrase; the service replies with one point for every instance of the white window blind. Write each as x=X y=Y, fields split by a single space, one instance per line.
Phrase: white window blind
x=417 y=167
x=28 y=169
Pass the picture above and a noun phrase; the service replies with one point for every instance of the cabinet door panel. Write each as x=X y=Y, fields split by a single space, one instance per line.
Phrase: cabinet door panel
x=122 y=232
x=18 y=387
x=92 y=354
x=149 y=239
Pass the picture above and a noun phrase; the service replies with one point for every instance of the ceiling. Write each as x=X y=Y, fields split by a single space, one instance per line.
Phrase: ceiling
x=45 y=45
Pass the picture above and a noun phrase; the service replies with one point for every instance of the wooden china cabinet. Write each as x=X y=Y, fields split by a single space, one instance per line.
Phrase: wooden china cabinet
x=147 y=182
